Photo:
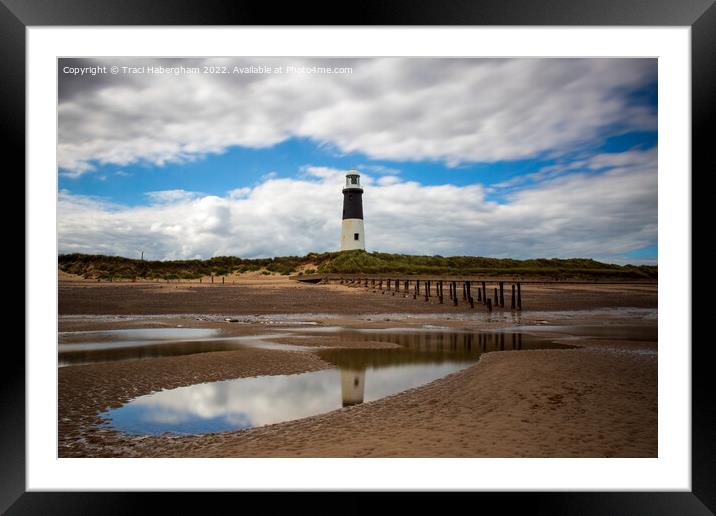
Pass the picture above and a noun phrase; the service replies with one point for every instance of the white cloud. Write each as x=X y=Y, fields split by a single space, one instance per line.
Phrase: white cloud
x=163 y=196
x=378 y=169
x=580 y=215
x=599 y=162
x=388 y=180
x=239 y=193
x=454 y=110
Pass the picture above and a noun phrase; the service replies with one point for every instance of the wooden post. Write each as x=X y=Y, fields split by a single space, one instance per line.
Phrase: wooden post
x=388 y=284
x=212 y=278
x=484 y=292
x=472 y=302
x=222 y=280
x=513 y=296
x=519 y=296
x=489 y=305
x=479 y=294
x=440 y=291
x=454 y=292
x=497 y=299
x=502 y=294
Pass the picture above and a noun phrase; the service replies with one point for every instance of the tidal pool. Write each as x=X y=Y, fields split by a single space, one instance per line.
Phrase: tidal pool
x=360 y=375
x=77 y=348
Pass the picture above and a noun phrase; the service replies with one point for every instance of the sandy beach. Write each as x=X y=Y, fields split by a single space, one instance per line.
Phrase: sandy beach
x=598 y=399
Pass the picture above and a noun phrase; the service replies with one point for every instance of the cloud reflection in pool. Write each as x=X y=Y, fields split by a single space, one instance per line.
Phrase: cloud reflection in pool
x=361 y=375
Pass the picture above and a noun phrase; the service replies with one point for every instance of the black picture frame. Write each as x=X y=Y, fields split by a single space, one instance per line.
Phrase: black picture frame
x=700 y=15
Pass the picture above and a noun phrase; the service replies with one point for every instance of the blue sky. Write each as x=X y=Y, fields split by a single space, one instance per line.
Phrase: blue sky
x=182 y=165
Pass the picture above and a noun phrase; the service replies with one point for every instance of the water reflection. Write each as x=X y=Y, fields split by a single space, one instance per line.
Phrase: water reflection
x=115 y=338
x=431 y=345
x=352 y=386
x=360 y=375
x=77 y=348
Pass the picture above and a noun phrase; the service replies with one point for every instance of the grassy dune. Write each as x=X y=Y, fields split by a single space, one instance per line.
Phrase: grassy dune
x=351 y=262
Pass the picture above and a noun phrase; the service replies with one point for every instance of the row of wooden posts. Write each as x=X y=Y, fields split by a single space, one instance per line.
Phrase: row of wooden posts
x=428 y=286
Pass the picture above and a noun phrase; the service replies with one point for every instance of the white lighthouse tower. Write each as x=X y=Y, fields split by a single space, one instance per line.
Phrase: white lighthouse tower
x=352 y=231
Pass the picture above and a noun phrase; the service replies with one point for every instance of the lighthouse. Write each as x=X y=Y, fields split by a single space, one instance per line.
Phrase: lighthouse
x=352 y=231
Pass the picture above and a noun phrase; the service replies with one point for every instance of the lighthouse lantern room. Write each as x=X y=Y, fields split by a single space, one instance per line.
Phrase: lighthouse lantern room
x=352 y=230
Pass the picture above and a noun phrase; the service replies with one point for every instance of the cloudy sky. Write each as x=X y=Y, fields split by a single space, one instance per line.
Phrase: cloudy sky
x=516 y=158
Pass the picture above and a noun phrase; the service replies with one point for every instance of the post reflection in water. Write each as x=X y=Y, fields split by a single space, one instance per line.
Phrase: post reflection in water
x=361 y=375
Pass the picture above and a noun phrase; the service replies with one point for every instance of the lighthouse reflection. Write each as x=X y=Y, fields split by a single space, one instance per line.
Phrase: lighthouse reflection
x=416 y=351
x=352 y=386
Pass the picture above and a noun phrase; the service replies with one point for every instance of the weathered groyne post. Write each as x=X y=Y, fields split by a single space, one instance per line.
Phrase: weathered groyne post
x=519 y=296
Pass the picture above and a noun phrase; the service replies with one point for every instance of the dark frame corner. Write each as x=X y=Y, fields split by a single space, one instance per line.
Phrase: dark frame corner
x=700 y=15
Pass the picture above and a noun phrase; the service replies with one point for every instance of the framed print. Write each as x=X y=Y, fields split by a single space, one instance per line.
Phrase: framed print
x=485 y=314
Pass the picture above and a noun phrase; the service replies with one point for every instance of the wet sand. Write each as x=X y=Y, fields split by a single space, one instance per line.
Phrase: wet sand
x=599 y=400
x=279 y=295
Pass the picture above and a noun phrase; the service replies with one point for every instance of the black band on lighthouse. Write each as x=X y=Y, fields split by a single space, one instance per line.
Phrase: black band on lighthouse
x=353 y=203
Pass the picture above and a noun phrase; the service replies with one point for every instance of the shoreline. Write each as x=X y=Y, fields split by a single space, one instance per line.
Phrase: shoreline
x=597 y=400
x=493 y=408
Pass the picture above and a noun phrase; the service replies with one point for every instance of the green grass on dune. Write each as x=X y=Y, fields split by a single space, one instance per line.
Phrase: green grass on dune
x=352 y=262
